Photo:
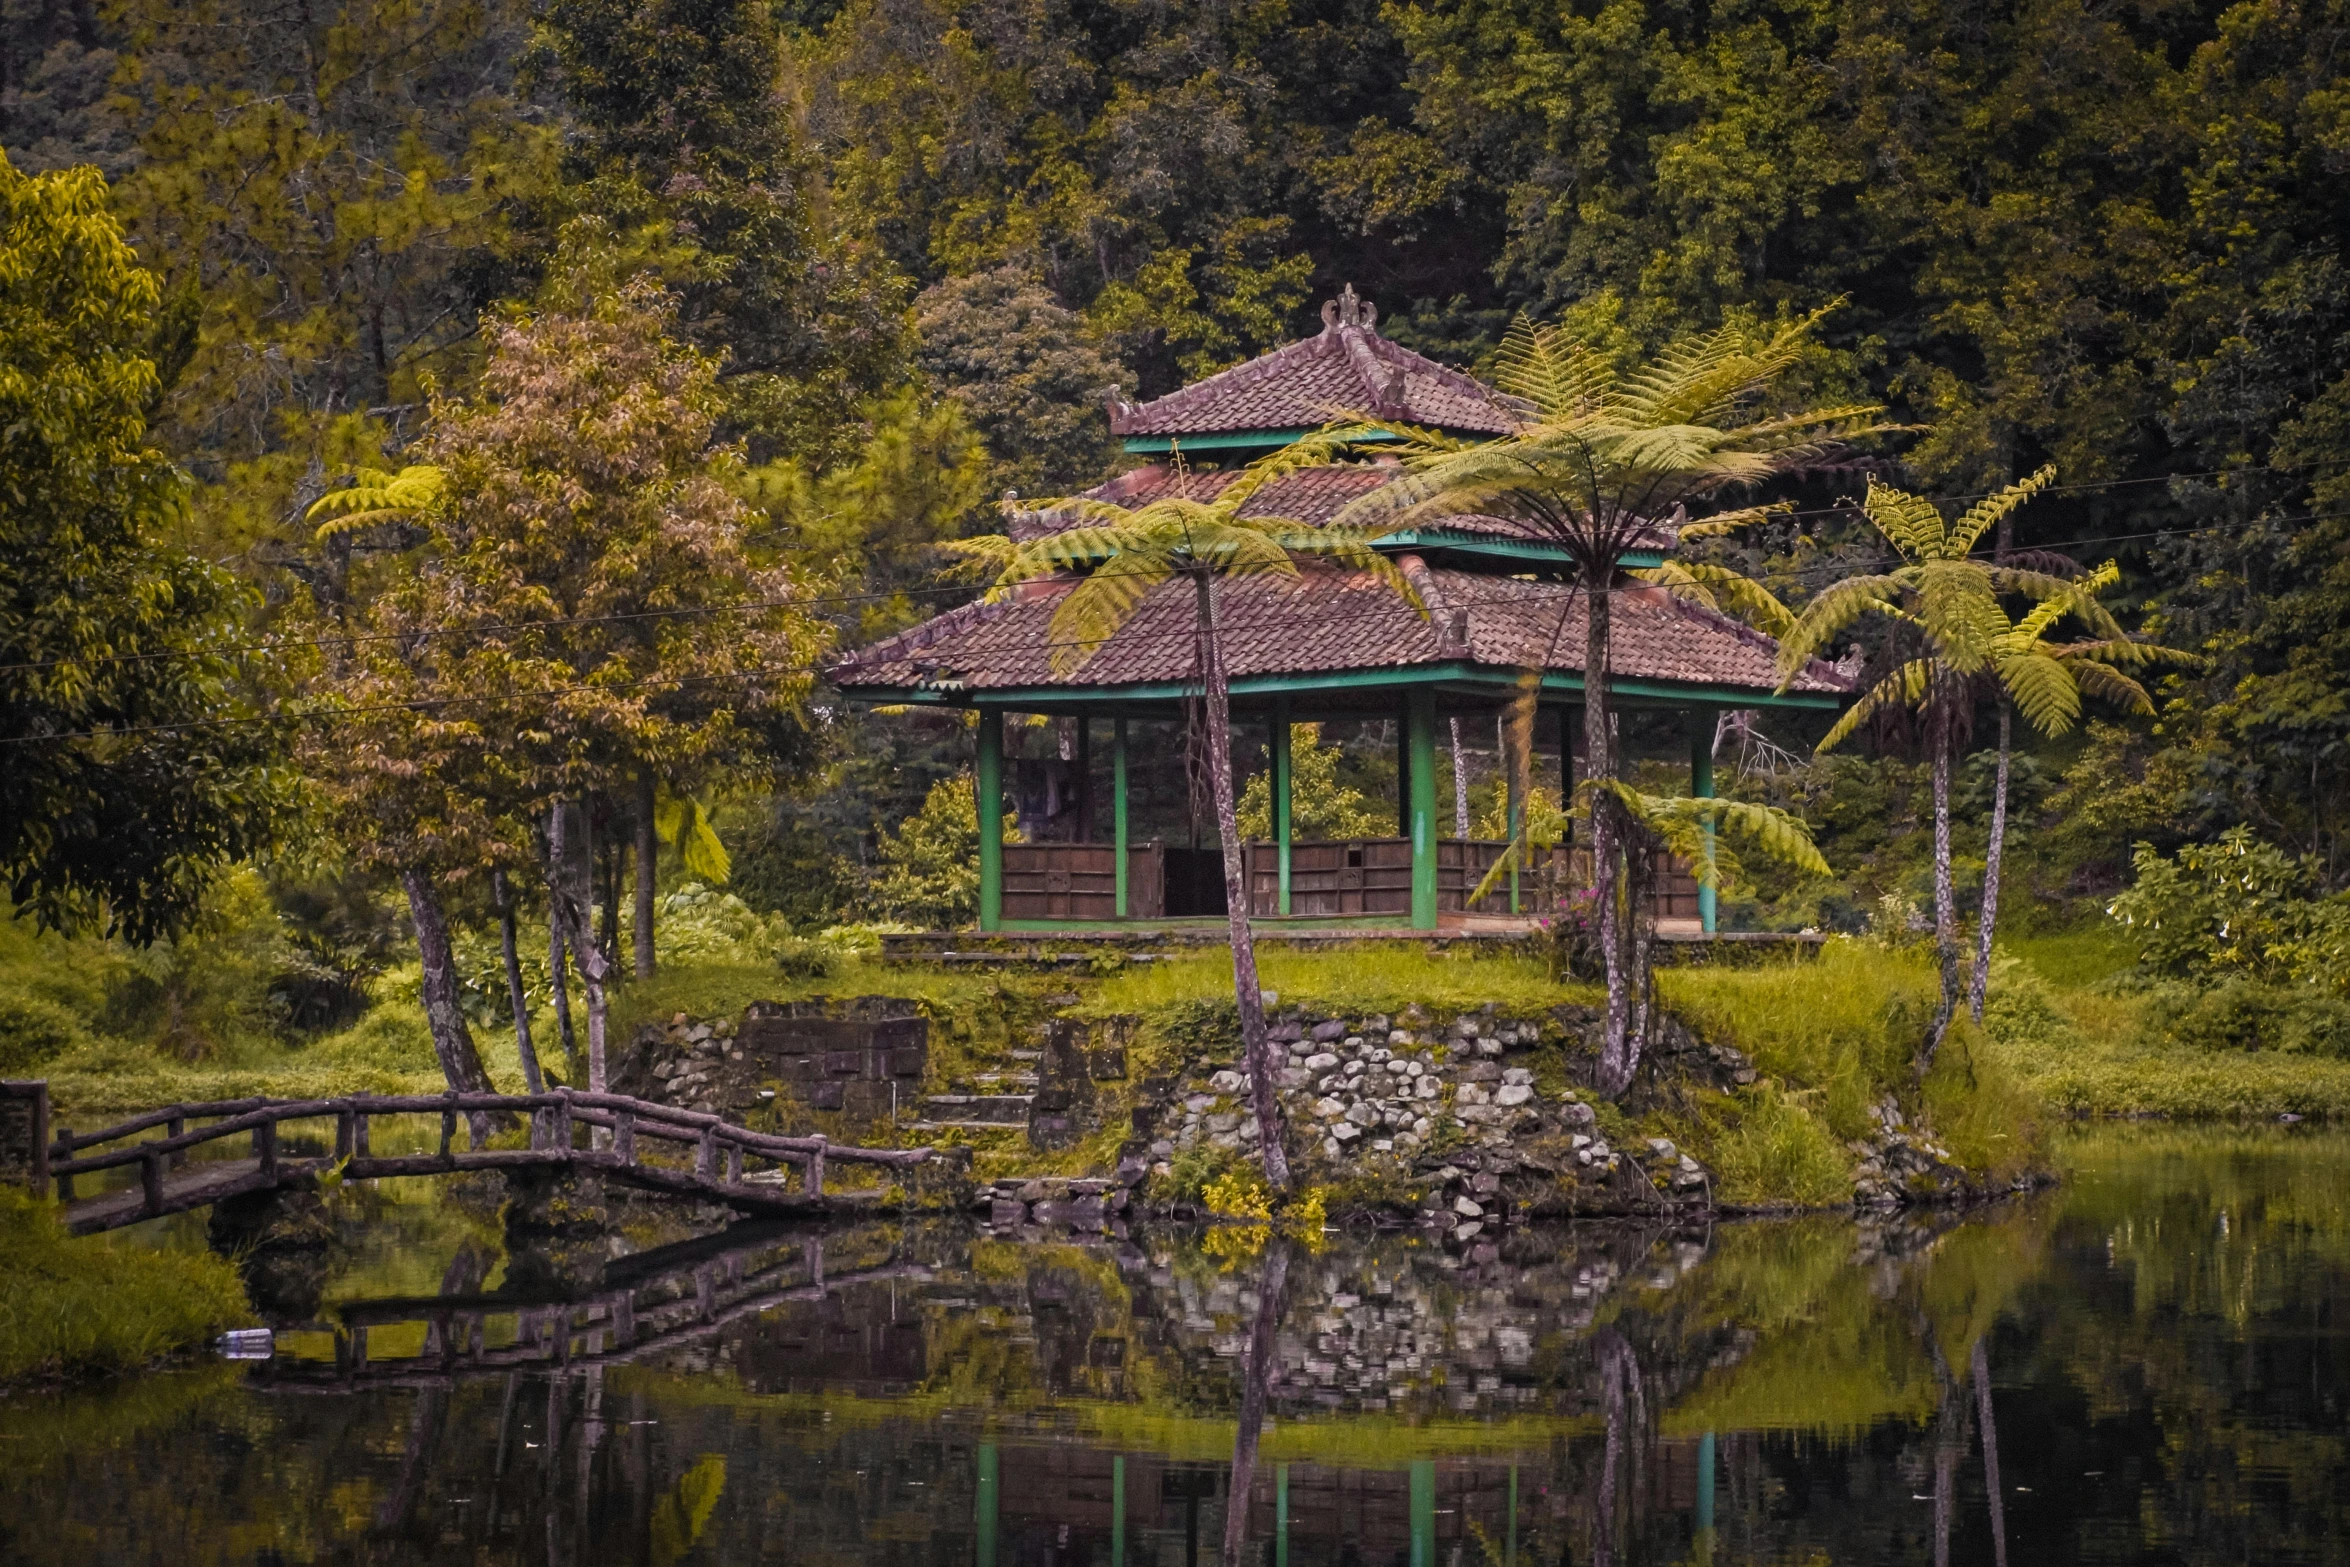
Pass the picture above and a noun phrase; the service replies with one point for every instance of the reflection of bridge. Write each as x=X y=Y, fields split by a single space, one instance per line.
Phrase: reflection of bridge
x=623 y=1132
x=659 y=1301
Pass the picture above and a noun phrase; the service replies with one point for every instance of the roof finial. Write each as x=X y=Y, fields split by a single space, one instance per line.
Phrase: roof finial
x=1349 y=309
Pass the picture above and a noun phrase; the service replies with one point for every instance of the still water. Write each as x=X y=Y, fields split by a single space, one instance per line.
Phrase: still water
x=2144 y=1365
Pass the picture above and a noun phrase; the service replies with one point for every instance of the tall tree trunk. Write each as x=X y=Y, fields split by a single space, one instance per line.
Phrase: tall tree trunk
x=558 y=965
x=1989 y=919
x=1256 y=1048
x=1460 y=785
x=452 y=1041
x=1981 y=1369
x=644 y=875
x=1945 y=903
x=503 y=891
x=1256 y=1387
x=569 y=879
x=1620 y=1399
x=1619 y=1056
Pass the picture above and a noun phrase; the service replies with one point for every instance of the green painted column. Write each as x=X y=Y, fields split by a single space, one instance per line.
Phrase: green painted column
x=1701 y=784
x=1118 y=1497
x=1517 y=820
x=1423 y=1512
x=985 y=1521
x=1281 y=780
x=1705 y=1497
x=1420 y=790
x=1281 y=1515
x=991 y=819
x=1118 y=802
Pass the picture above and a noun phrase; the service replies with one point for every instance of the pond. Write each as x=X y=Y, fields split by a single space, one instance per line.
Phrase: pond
x=2146 y=1364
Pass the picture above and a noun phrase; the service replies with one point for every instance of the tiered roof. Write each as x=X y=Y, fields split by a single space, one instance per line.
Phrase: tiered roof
x=1328 y=620
x=1348 y=369
x=1481 y=626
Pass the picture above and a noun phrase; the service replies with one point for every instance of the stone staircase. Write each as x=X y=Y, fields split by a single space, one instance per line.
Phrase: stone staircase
x=990 y=1101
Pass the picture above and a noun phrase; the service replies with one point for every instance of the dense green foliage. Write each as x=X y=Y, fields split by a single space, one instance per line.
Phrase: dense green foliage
x=76 y=1306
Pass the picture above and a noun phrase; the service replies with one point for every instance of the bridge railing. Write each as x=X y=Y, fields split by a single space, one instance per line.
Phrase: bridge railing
x=720 y=1147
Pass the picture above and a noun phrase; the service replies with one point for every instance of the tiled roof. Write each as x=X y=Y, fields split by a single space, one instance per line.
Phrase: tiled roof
x=1348 y=369
x=1326 y=621
x=1311 y=495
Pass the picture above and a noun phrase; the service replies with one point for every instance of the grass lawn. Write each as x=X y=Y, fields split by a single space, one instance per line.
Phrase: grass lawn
x=81 y=1304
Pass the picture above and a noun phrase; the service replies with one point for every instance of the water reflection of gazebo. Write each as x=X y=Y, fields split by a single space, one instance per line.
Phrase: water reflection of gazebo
x=1330 y=645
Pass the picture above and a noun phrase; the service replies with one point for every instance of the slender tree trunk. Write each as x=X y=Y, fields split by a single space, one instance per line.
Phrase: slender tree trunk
x=569 y=879
x=644 y=875
x=1619 y=1057
x=452 y=1041
x=1620 y=1399
x=1256 y=1048
x=1945 y=904
x=1256 y=1387
x=503 y=891
x=1460 y=785
x=557 y=966
x=1989 y=920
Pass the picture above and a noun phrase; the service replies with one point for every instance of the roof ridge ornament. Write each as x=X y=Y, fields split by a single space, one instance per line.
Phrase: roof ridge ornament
x=1349 y=309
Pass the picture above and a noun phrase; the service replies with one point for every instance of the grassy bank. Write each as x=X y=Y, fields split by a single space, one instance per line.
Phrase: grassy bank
x=71 y=1306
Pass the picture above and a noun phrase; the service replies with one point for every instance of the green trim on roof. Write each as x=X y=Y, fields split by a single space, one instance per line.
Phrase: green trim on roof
x=1224 y=440
x=1456 y=674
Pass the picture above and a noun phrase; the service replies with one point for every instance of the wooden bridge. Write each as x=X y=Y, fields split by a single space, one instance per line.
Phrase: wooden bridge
x=709 y=1157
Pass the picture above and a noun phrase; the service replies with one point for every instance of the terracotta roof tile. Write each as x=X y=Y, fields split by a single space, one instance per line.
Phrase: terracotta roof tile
x=1326 y=621
x=1312 y=495
x=1348 y=368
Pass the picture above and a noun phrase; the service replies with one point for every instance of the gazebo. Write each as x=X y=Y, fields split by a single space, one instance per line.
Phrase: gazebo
x=1330 y=645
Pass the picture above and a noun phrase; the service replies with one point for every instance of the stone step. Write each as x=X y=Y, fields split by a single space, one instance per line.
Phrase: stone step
x=999 y=1081
x=964 y=1126
x=1025 y=1055
x=993 y=1109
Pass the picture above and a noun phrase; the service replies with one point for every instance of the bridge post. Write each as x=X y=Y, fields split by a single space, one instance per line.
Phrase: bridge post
x=706 y=1154
x=151 y=1179
x=173 y=1128
x=563 y=1123
x=813 y=1183
x=64 y=1141
x=265 y=1146
x=734 y=1164
x=624 y=1137
x=343 y=1132
x=448 y=1127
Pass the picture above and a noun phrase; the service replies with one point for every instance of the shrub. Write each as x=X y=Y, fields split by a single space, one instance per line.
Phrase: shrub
x=2236 y=908
x=1771 y=1149
x=34 y=1030
x=929 y=873
x=2243 y=1015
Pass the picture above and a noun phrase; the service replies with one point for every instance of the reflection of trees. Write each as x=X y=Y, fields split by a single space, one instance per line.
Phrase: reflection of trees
x=1257 y=1370
x=463 y=1277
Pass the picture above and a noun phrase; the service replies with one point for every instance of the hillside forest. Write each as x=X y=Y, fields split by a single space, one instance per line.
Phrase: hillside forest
x=446 y=438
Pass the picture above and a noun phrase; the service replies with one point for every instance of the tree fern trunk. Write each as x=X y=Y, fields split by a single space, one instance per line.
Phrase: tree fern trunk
x=1256 y=1049
x=516 y=997
x=1619 y=1053
x=1980 y=987
x=1460 y=785
x=1945 y=903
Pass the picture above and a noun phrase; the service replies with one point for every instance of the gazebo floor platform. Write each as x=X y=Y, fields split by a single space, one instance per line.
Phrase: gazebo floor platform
x=1075 y=945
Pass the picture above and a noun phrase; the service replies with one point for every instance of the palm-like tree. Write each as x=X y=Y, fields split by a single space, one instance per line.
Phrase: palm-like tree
x=1600 y=465
x=1953 y=603
x=1124 y=555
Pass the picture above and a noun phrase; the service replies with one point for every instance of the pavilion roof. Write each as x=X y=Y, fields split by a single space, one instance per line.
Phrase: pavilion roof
x=1329 y=621
x=1347 y=369
x=1311 y=495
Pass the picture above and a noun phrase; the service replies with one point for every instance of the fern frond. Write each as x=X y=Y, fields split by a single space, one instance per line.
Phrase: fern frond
x=1904 y=687
x=1986 y=513
x=1101 y=604
x=2108 y=684
x=1723 y=590
x=375 y=496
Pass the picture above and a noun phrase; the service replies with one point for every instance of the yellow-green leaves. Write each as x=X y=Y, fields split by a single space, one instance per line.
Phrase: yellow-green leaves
x=375 y=496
